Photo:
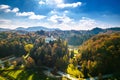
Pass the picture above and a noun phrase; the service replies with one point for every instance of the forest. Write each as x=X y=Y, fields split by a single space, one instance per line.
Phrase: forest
x=99 y=55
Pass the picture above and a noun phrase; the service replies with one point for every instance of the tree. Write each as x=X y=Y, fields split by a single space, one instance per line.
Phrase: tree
x=73 y=70
x=28 y=47
x=100 y=54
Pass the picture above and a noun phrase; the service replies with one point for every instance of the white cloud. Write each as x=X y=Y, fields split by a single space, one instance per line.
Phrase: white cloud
x=87 y=24
x=4 y=6
x=31 y=15
x=41 y=2
x=60 y=19
x=65 y=22
x=7 y=10
x=36 y=17
x=84 y=23
x=73 y=5
x=4 y=21
x=53 y=18
x=53 y=12
x=52 y=2
x=24 y=14
x=59 y=3
x=15 y=10
x=65 y=12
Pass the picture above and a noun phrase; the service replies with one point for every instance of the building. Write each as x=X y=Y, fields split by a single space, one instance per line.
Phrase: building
x=48 y=39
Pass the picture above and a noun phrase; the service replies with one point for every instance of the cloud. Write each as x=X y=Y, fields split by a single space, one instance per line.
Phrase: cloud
x=57 y=18
x=86 y=23
x=53 y=2
x=36 y=17
x=24 y=14
x=73 y=5
x=15 y=10
x=7 y=10
x=4 y=21
x=31 y=15
x=41 y=2
x=4 y=6
x=55 y=12
x=59 y=3
x=60 y=19
x=66 y=23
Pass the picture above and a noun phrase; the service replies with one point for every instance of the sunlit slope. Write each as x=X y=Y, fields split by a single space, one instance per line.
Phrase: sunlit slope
x=101 y=54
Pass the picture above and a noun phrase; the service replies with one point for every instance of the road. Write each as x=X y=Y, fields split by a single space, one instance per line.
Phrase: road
x=66 y=75
x=48 y=72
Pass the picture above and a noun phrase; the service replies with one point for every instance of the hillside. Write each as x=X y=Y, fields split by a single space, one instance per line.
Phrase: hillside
x=74 y=37
x=100 y=54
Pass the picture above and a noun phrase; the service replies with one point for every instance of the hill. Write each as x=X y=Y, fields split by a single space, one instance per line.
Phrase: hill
x=100 y=54
x=114 y=29
x=97 y=30
x=36 y=28
x=3 y=29
x=74 y=37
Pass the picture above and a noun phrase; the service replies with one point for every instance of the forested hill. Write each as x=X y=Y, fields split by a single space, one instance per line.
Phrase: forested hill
x=53 y=53
x=100 y=54
x=74 y=37
x=77 y=37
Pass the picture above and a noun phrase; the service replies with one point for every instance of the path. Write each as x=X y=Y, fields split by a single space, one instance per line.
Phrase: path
x=48 y=71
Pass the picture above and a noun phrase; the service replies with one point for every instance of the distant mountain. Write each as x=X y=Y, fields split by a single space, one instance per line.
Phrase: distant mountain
x=3 y=29
x=97 y=30
x=37 y=28
x=114 y=29
x=20 y=28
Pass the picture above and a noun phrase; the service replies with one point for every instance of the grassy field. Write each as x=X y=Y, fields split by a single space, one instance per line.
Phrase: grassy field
x=24 y=74
x=2 y=78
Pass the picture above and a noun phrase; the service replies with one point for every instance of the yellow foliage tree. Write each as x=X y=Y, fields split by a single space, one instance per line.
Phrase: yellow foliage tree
x=73 y=70
x=28 y=47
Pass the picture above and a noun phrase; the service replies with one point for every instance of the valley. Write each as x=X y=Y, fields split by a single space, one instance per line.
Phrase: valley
x=45 y=55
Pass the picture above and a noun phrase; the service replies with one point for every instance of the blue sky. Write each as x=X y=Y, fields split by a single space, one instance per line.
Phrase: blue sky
x=63 y=14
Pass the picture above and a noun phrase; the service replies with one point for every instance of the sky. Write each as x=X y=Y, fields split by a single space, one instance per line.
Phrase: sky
x=62 y=14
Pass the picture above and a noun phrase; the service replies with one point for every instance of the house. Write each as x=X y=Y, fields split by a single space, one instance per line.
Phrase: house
x=48 y=39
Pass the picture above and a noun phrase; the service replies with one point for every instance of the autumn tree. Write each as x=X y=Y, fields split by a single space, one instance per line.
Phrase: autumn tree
x=28 y=47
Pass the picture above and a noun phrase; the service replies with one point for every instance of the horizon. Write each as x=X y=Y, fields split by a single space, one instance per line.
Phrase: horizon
x=58 y=28
x=62 y=14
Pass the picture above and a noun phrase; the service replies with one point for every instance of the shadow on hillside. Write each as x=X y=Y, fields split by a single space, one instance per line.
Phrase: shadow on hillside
x=24 y=75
